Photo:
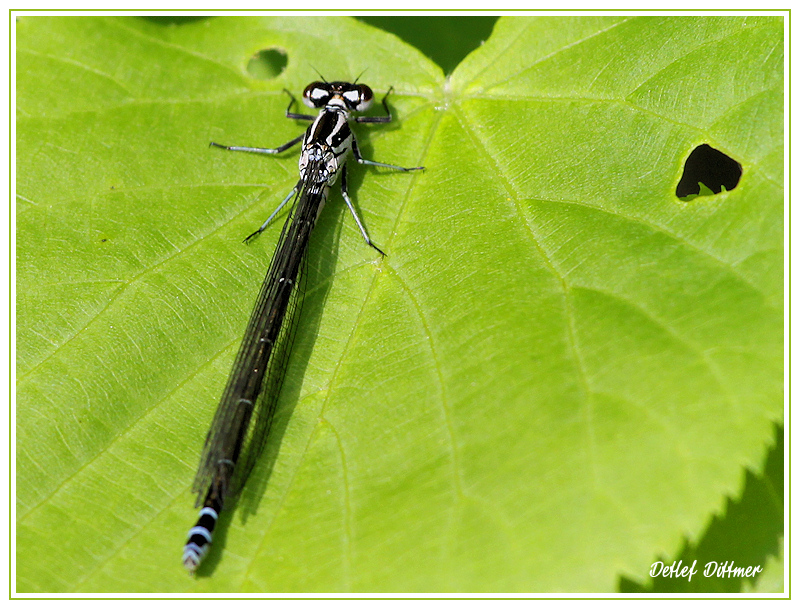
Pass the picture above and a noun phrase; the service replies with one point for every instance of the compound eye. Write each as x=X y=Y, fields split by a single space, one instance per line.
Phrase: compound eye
x=365 y=98
x=316 y=95
x=351 y=98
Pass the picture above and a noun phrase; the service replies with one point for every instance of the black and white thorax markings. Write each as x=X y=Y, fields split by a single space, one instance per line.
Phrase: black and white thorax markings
x=330 y=129
x=241 y=423
x=327 y=141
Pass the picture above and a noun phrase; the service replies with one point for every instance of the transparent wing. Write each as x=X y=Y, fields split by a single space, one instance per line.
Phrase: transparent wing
x=242 y=420
x=256 y=437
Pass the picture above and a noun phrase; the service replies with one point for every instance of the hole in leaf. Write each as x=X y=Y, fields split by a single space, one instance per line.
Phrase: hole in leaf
x=267 y=64
x=707 y=171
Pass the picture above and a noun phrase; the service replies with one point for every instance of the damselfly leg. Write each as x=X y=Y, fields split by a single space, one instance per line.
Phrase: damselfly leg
x=264 y=226
x=277 y=150
x=357 y=156
x=378 y=119
x=353 y=211
x=295 y=115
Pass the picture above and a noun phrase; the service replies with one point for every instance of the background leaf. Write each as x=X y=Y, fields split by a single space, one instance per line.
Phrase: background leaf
x=443 y=38
x=557 y=374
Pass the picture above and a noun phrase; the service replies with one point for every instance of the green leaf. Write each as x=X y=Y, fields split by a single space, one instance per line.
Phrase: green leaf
x=747 y=534
x=558 y=373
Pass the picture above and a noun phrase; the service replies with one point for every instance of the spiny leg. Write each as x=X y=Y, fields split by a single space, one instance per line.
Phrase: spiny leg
x=363 y=161
x=295 y=115
x=277 y=150
x=352 y=208
x=263 y=227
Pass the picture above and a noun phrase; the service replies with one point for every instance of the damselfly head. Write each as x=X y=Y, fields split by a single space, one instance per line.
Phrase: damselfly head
x=350 y=96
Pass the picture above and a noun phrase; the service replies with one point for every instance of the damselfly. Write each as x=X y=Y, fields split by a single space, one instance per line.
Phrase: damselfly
x=242 y=421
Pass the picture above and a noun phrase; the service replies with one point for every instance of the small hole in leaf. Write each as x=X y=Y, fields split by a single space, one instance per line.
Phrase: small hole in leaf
x=267 y=64
x=707 y=171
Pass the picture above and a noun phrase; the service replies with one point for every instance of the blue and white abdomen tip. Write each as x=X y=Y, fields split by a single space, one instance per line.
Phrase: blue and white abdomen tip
x=199 y=540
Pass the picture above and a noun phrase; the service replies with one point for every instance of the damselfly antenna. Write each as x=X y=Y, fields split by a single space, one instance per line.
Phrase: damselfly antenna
x=320 y=74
